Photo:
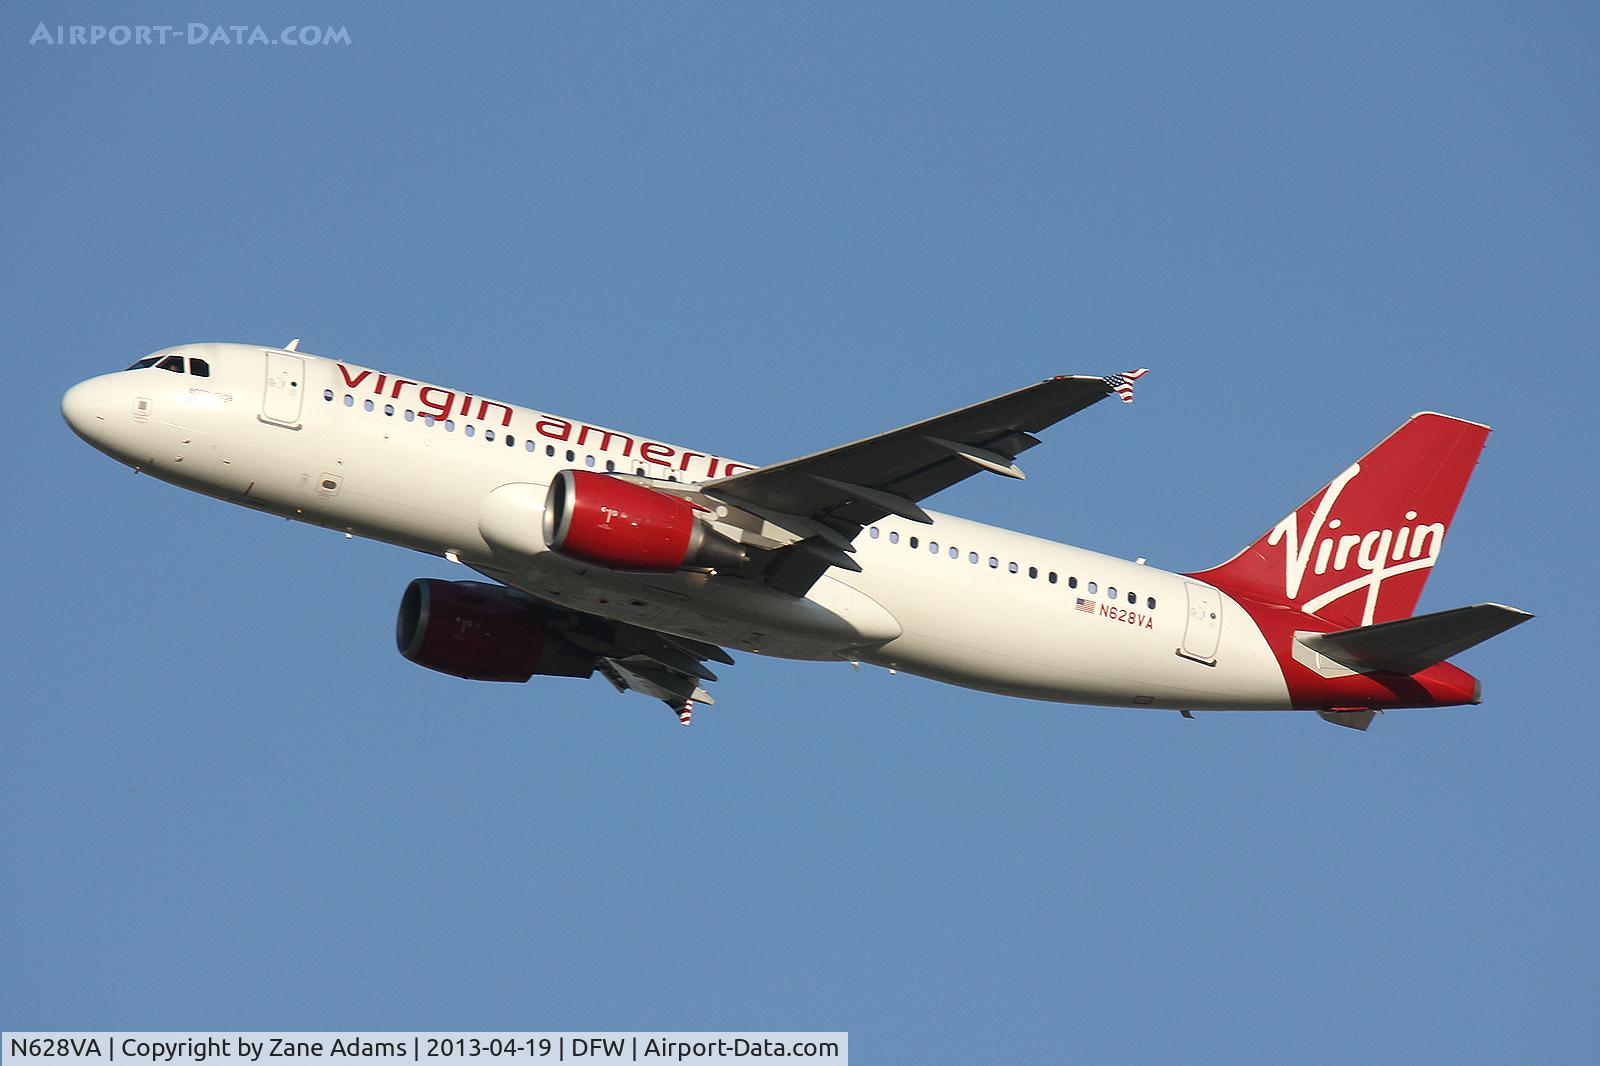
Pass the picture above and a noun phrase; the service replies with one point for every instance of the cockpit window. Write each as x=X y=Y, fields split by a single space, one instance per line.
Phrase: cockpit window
x=149 y=360
x=173 y=363
x=199 y=368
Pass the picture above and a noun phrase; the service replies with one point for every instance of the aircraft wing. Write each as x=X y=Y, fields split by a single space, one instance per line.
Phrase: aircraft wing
x=668 y=668
x=634 y=658
x=826 y=498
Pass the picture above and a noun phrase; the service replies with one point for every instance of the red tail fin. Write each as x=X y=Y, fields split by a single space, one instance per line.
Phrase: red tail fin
x=1359 y=551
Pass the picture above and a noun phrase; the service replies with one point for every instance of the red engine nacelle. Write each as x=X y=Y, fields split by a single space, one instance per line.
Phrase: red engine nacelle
x=482 y=632
x=615 y=523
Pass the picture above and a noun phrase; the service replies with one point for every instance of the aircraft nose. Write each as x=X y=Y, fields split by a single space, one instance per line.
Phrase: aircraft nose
x=85 y=407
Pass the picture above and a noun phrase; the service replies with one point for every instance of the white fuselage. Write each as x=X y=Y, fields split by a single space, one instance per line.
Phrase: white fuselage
x=411 y=464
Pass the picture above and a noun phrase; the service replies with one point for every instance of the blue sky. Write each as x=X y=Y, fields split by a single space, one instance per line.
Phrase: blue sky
x=766 y=229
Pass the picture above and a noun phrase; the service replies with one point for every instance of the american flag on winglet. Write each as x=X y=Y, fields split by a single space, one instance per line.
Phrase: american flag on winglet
x=1086 y=606
x=1122 y=384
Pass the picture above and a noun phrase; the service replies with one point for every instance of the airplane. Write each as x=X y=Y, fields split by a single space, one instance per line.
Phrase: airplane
x=641 y=560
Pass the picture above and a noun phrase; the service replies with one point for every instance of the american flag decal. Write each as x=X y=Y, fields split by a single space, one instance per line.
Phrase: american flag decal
x=1086 y=606
x=1122 y=384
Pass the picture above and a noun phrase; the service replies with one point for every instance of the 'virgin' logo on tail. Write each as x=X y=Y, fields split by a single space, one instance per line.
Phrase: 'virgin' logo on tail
x=1376 y=554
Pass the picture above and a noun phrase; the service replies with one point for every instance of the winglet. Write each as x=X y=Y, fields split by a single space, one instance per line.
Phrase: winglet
x=1122 y=384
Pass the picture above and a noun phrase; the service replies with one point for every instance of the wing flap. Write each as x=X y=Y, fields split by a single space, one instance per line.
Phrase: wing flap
x=633 y=658
x=645 y=677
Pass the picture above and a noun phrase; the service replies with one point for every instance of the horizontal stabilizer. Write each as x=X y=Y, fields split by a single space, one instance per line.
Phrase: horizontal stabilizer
x=1412 y=644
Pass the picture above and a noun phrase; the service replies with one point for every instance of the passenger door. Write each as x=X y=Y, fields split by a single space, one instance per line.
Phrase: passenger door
x=286 y=386
x=1202 y=630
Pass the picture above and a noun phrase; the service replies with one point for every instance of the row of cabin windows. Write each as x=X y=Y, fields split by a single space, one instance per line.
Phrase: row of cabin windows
x=589 y=460
x=470 y=429
x=197 y=367
x=1092 y=587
